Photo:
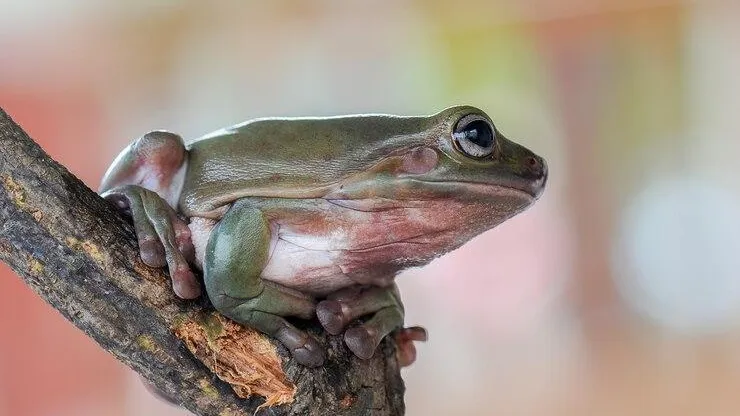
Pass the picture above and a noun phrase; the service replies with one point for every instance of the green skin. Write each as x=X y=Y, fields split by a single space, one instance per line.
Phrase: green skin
x=305 y=217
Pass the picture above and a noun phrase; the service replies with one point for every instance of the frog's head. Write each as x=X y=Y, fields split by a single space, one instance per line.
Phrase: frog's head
x=471 y=152
x=456 y=155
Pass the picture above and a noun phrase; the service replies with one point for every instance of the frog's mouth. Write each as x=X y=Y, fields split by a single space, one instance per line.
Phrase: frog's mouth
x=532 y=187
x=529 y=184
x=518 y=188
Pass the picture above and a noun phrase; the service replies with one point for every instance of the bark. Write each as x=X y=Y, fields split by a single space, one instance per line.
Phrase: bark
x=81 y=256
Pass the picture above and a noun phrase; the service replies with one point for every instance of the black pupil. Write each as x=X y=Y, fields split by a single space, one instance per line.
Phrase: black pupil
x=479 y=132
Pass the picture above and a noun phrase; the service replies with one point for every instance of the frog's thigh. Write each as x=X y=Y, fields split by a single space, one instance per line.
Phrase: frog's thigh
x=236 y=253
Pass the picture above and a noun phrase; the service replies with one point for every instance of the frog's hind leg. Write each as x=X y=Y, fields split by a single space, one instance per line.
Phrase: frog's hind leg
x=346 y=305
x=386 y=308
x=237 y=252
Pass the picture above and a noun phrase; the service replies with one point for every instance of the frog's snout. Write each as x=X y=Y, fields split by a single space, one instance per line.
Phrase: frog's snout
x=534 y=170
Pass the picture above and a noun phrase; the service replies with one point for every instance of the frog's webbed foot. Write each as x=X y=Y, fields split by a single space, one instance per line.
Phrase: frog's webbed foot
x=384 y=304
x=164 y=238
x=265 y=313
x=304 y=348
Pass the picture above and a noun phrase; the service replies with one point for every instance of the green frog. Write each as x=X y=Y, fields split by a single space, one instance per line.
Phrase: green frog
x=314 y=217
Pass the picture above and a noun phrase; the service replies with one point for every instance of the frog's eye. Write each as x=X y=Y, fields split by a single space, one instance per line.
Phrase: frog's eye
x=474 y=136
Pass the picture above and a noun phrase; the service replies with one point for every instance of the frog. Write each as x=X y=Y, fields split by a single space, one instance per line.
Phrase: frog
x=281 y=220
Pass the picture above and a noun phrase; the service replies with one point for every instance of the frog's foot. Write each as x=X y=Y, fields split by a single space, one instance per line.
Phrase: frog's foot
x=406 y=350
x=364 y=339
x=333 y=315
x=384 y=305
x=254 y=312
x=345 y=305
x=164 y=238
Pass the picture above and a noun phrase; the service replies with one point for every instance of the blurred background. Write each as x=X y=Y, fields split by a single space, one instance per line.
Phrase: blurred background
x=617 y=293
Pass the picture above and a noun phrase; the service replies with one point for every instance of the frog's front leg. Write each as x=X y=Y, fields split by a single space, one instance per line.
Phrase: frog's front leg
x=386 y=308
x=164 y=239
x=143 y=184
x=236 y=253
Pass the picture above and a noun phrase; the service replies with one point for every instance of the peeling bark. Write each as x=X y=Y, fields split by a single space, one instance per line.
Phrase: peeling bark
x=79 y=255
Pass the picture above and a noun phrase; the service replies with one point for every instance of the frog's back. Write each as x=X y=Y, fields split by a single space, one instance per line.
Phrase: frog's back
x=288 y=158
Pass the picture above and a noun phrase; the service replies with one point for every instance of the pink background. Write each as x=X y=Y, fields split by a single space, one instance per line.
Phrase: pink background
x=618 y=293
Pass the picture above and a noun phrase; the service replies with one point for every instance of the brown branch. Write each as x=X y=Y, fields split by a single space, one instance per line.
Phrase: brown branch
x=78 y=254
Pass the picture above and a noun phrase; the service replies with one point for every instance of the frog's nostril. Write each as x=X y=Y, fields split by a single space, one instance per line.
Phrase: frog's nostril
x=535 y=166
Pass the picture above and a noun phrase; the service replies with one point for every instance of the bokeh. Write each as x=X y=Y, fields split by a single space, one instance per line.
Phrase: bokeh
x=617 y=294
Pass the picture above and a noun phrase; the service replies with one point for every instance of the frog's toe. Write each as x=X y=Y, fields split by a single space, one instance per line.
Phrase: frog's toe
x=119 y=201
x=332 y=315
x=362 y=341
x=183 y=237
x=184 y=283
x=311 y=354
x=128 y=200
x=406 y=350
x=151 y=251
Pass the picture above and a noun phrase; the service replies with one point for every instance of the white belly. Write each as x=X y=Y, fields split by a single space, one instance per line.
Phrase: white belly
x=305 y=263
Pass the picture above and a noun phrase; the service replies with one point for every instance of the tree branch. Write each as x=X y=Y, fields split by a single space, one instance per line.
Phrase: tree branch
x=78 y=254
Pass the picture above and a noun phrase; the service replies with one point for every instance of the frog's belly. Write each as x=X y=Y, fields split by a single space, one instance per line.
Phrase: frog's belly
x=334 y=253
x=303 y=263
